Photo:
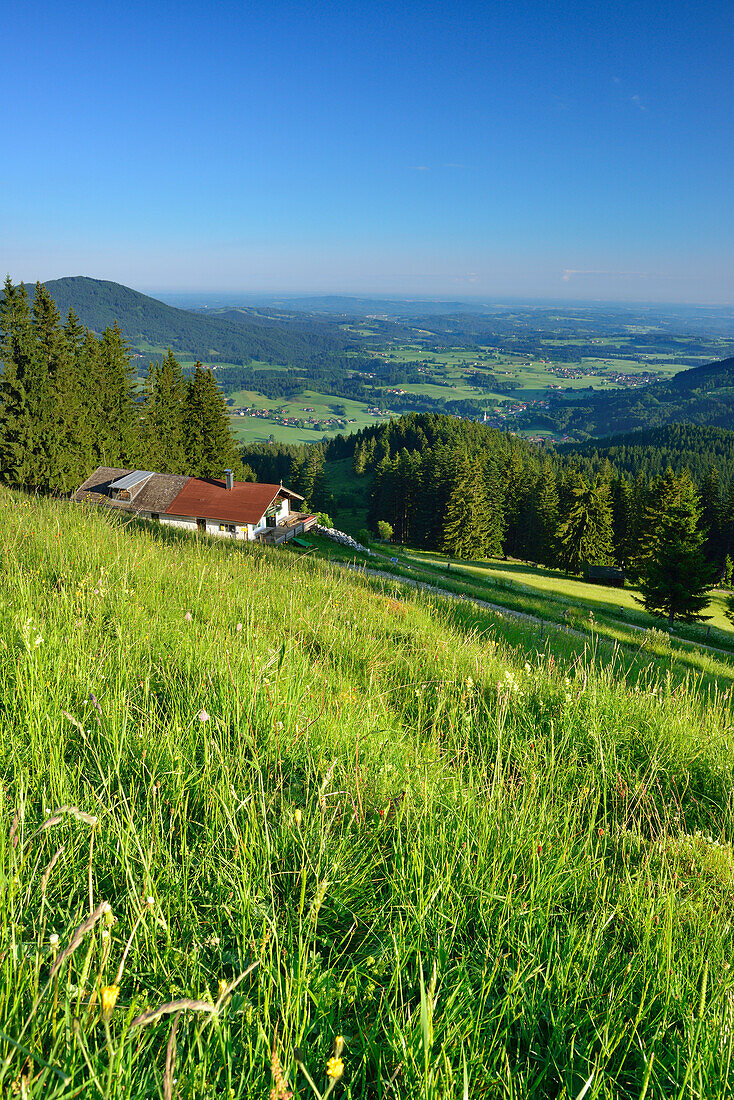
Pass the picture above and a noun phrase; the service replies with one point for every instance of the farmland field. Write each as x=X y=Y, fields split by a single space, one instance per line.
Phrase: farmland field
x=320 y=407
x=413 y=365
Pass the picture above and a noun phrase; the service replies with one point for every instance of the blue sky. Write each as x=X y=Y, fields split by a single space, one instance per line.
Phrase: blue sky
x=577 y=150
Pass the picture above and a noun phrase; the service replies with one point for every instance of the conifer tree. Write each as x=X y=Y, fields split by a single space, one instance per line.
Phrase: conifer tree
x=465 y=533
x=295 y=472
x=727 y=521
x=516 y=510
x=621 y=493
x=585 y=536
x=210 y=448
x=545 y=515
x=379 y=492
x=360 y=459
x=73 y=429
x=405 y=480
x=115 y=401
x=21 y=396
x=311 y=482
x=712 y=513
x=439 y=472
x=639 y=498
x=39 y=384
x=382 y=447
x=675 y=576
x=164 y=396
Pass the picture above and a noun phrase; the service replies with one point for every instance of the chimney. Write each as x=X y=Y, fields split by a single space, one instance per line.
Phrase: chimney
x=229 y=478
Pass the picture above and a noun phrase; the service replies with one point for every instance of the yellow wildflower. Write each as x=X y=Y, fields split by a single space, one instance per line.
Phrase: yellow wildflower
x=108 y=996
x=335 y=1068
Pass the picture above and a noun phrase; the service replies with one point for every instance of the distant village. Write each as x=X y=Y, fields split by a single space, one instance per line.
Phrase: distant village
x=314 y=423
x=502 y=416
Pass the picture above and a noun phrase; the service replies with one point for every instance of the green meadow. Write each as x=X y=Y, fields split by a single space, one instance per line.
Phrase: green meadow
x=249 y=429
x=271 y=828
x=554 y=585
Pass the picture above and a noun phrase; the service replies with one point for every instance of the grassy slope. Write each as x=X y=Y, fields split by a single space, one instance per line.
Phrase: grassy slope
x=249 y=429
x=403 y=823
x=549 y=592
x=679 y=656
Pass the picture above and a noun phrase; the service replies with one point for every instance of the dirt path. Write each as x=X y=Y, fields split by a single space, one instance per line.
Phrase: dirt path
x=523 y=616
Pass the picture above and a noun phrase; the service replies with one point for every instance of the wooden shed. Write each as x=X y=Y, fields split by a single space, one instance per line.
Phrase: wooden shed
x=605 y=574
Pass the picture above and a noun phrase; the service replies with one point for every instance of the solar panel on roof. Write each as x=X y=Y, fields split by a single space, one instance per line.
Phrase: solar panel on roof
x=134 y=478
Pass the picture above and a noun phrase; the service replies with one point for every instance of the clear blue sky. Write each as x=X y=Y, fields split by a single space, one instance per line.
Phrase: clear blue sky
x=580 y=150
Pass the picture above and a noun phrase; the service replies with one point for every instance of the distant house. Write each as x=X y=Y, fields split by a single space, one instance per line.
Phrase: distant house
x=227 y=508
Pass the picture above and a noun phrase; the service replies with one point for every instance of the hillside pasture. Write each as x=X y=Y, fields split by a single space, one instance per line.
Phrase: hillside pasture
x=550 y=592
x=255 y=806
x=249 y=429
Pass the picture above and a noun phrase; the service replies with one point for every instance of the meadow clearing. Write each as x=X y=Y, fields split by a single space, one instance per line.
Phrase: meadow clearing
x=270 y=827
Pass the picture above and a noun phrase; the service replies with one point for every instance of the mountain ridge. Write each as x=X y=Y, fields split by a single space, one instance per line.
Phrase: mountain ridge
x=99 y=303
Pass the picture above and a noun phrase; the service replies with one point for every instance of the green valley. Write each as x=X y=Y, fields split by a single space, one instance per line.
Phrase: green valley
x=541 y=371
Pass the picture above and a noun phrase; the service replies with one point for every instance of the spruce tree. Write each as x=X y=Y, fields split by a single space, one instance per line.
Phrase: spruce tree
x=164 y=396
x=465 y=533
x=39 y=384
x=621 y=492
x=115 y=402
x=210 y=448
x=71 y=453
x=675 y=576
x=21 y=395
x=518 y=485
x=406 y=478
x=359 y=463
x=639 y=500
x=439 y=472
x=546 y=515
x=712 y=514
x=311 y=481
x=585 y=535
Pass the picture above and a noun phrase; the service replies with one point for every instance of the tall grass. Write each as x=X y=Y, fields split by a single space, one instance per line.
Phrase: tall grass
x=710 y=664
x=254 y=808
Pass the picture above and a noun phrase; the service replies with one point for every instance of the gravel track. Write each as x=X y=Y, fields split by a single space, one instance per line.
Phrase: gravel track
x=523 y=616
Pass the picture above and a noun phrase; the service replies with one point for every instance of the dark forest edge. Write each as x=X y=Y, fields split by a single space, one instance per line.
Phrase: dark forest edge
x=470 y=491
x=70 y=401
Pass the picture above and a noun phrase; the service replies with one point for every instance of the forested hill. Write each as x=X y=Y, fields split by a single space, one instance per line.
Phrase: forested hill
x=441 y=482
x=144 y=320
x=701 y=395
x=679 y=446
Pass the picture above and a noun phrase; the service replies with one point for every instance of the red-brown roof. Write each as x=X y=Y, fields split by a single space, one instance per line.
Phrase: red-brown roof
x=246 y=502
